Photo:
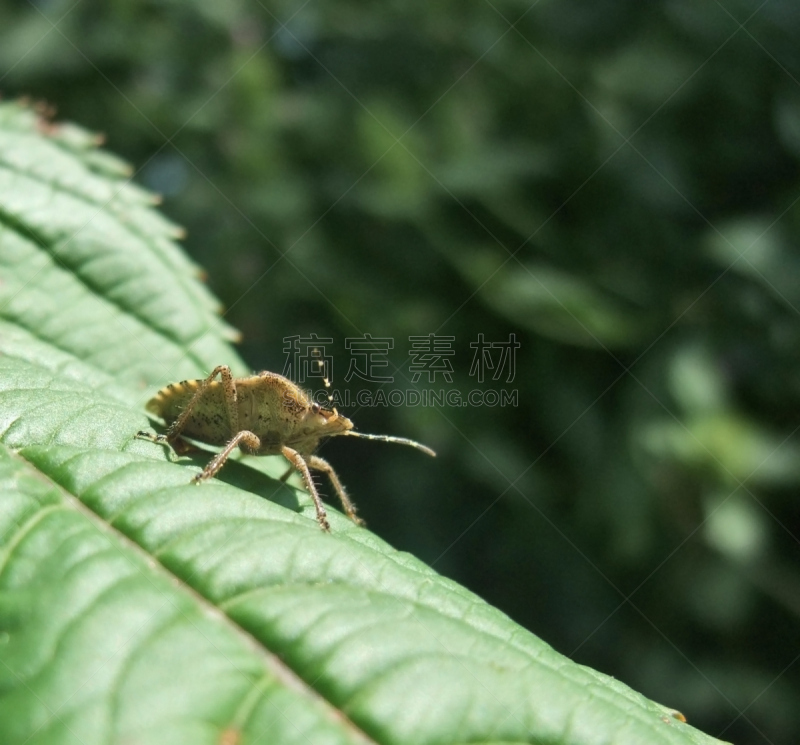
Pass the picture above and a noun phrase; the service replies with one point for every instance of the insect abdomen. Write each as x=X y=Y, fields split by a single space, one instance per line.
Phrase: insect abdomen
x=208 y=421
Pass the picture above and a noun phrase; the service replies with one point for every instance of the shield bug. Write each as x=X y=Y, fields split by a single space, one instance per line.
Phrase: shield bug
x=264 y=414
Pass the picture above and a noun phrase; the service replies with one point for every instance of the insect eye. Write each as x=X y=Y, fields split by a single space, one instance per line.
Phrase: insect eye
x=315 y=407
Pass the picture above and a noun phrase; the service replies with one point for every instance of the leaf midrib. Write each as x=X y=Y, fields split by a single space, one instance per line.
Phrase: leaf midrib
x=272 y=661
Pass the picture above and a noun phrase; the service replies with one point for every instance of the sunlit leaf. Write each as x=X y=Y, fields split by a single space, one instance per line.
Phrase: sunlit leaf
x=138 y=608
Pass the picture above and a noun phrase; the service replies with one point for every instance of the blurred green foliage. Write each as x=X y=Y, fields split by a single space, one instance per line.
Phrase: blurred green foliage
x=614 y=182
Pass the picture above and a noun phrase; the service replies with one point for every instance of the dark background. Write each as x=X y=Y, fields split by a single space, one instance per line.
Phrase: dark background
x=614 y=182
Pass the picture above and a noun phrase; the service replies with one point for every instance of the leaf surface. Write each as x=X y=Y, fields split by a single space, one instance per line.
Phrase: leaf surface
x=136 y=607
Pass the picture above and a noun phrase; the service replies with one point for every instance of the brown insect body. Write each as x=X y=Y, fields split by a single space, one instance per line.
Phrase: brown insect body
x=270 y=406
x=264 y=414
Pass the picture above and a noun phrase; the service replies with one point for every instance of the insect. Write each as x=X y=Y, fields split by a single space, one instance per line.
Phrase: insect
x=264 y=414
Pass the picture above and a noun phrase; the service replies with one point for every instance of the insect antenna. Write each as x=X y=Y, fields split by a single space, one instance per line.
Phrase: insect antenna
x=390 y=438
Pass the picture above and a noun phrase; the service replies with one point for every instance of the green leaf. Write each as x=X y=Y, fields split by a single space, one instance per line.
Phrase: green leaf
x=138 y=608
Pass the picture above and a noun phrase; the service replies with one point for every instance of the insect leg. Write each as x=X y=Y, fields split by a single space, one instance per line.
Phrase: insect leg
x=320 y=464
x=300 y=464
x=145 y=435
x=229 y=386
x=179 y=447
x=159 y=440
x=244 y=437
